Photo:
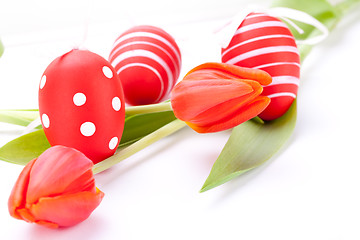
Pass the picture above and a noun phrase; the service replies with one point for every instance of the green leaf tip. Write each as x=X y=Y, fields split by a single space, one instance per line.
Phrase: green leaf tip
x=250 y=145
x=233 y=162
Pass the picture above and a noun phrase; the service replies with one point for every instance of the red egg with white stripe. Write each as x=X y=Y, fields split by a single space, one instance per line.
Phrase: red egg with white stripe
x=81 y=104
x=265 y=42
x=148 y=61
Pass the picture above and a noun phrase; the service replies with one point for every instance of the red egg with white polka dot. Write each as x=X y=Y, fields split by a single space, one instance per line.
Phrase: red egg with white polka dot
x=81 y=104
x=148 y=61
x=264 y=42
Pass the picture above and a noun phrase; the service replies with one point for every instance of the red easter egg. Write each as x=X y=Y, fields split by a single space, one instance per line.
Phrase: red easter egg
x=148 y=61
x=81 y=104
x=264 y=42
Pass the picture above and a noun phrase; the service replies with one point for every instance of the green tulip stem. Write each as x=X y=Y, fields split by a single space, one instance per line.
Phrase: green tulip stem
x=139 y=145
x=151 y=108
x=23 y=117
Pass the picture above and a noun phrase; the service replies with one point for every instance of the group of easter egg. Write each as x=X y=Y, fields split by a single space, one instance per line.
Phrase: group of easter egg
x=82 y=96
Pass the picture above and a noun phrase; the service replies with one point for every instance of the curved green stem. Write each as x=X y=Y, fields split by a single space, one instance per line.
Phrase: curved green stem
x=151 y=108
x=25 y=116
x=139 y=145
x=19 y=117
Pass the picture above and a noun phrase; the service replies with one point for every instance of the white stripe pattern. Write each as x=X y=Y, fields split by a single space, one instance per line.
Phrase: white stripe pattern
x=284 y=80
x=272 y=49
x=255 y=15
x=150 y=55
x=254 y=40
x=283 y=94
x=150 y=35
x=260 y=25
x=277 y=64
x=148 y=67
x=118 y=48
x=262 y=51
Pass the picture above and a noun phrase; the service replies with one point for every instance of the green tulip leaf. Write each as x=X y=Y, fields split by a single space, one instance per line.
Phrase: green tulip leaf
x=258 y=120
x=24 y=148
x=27 y=147
x=19 y=117
x=138 y=126
x=250 y=145
x=1 y=48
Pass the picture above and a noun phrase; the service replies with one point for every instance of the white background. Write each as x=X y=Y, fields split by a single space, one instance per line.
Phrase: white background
x=310 y=190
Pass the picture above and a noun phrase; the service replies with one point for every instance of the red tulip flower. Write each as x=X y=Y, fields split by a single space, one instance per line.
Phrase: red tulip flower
x=57 y=189
x=216 y=96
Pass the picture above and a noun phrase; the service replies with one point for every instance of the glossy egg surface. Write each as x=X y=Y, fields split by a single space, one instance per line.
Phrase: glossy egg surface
x=148 y=61
x=81 y=104
x=265 y=42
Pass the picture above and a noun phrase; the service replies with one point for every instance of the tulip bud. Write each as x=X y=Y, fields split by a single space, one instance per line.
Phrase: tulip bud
x=216 y=96
x=57 y=189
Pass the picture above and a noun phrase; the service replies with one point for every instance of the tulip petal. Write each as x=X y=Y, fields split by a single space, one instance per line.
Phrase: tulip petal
x=25 y=215
x=238 y=72
x=217 y=96
x=243 y=114
x=189 y=98
x=66 y=210
x=65 y=170
x=212 y=115
x=202 y=74
x=18 y=193
x=47 y=224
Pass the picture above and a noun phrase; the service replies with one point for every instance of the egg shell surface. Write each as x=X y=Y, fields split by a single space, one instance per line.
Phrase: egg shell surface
x=81 y=104
x=148 y=61
x=265 y=42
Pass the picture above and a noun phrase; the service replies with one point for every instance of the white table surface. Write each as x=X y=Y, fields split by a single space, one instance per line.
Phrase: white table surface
x=310 y=190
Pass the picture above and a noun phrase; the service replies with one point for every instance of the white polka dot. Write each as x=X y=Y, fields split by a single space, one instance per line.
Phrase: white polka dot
x=42 y=81
x=79 y=99
x=87 y=129
x=107 y=72
x=45 y=120
x=113 y=143
x=116 y=103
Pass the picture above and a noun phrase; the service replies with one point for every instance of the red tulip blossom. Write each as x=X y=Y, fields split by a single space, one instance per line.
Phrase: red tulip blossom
x=57 y=189
x=216 y=96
